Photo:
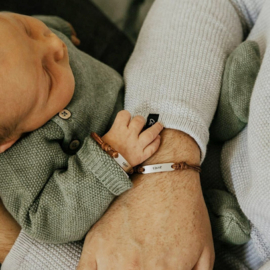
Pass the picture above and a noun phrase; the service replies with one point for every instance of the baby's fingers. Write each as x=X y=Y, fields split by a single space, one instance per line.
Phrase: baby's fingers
x=150 y=134
x=75 y=40
x=151 y=148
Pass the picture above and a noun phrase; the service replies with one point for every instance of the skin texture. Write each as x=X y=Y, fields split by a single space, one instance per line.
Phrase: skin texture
x=34 y=71
x=161 y=223
x=9 y=231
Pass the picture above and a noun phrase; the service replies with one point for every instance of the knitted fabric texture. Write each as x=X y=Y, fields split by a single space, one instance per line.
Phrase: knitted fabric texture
x=240 y=74
x=34 y=255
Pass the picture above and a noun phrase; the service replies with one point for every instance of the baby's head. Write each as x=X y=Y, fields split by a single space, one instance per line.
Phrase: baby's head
x=36 y=81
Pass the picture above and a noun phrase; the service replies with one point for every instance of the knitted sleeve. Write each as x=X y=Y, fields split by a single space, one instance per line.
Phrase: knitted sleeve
x=57 y=197
x=178 y=62
x=248 y=11
x=56 y=23
x=30 y=254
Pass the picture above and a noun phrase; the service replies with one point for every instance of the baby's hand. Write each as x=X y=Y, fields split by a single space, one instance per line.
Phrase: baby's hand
x=74 y=38
x=126 y=138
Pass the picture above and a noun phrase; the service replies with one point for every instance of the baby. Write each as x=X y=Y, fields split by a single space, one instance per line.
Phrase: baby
x=54 y=178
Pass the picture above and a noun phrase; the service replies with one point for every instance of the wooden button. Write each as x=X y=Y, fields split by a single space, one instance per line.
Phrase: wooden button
x=65 y=114
x=74 y=145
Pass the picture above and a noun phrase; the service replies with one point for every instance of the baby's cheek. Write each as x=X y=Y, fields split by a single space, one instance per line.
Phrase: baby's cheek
x=67 y=91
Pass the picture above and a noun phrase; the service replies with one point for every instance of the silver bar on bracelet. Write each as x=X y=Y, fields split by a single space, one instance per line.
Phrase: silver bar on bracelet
x=163 y=167
x=123 y=163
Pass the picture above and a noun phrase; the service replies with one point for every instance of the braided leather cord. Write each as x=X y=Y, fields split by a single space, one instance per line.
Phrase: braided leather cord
x=106 y=147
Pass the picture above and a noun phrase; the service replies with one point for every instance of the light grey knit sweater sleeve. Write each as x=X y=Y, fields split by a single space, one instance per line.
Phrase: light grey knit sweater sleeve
x=28 y=254
x=245 y=159
x=177 y=66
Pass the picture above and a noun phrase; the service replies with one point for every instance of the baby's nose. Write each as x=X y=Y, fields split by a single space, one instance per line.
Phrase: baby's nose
x=56 y=47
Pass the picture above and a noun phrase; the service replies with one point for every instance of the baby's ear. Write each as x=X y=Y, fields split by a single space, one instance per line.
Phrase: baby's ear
x=4 y=146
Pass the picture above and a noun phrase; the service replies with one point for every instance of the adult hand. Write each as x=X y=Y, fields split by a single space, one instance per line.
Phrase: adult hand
x=9 y=231
x=161 y=223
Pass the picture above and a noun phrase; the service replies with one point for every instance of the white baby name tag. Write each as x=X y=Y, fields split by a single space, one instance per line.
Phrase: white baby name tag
x=123 y=163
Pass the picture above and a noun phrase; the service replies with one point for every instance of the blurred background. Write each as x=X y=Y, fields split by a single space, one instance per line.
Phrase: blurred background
x=127 y=15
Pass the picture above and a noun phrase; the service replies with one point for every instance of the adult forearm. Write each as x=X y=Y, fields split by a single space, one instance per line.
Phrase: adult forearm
x=176 y=146
x=177 y=65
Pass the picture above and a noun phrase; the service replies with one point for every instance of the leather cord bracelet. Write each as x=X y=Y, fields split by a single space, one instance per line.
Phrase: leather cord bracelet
x=165 y=167
x=123 y=163
x=154 y=168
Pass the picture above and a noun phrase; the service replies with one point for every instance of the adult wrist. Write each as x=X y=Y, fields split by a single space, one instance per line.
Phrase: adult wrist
x=175 y=146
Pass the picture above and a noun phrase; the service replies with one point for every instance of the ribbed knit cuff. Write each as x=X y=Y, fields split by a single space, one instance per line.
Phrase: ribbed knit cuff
x=109 y=173
x=18 y=253
x=29 y=254
x=173 y=118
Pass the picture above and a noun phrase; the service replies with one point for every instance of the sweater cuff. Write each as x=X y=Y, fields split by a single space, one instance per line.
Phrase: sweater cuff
x=180 y=117
x=18 y=253
x=194 y=129
x=29 y=254
x=109 y=173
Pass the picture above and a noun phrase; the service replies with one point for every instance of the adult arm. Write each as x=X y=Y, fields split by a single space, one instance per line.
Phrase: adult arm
x=157 y=223
x=176 y=72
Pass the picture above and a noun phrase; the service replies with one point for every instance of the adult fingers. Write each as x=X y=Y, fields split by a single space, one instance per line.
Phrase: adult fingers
x=150 y=134
x=137 y=124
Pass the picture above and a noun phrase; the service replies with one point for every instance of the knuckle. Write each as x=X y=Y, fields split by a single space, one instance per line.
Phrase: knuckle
x=151 y=151
x=150 y=135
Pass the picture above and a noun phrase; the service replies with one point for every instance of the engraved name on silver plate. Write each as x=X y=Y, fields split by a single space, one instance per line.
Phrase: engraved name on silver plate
x=164 y=167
